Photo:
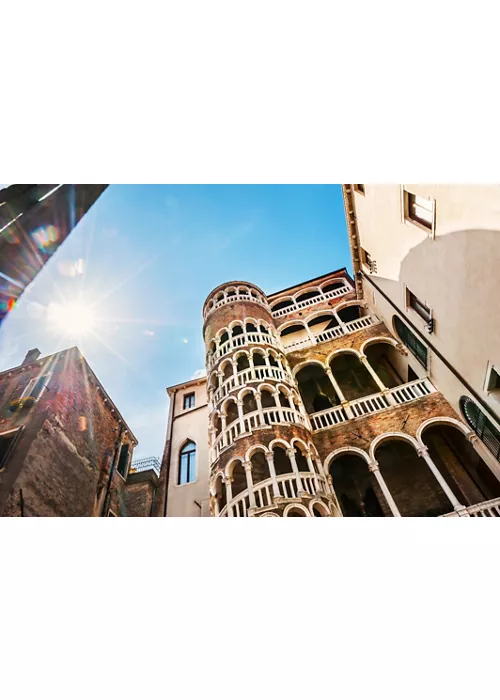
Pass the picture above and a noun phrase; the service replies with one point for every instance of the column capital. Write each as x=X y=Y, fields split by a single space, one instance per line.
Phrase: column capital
x=423 y=452
x=269 y=456
x=373 y=466
x=247 y=465
x=290 y=452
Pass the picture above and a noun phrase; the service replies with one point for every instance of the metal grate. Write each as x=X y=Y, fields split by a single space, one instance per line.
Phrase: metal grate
x=481 y=425
x=142 y=465
x=411 y=341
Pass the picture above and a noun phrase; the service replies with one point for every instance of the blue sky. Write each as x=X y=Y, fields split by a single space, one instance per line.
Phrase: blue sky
x=146 y=256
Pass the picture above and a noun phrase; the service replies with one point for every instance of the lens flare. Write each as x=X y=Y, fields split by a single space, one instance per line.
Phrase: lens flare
x=46 y=238
x=74 y=319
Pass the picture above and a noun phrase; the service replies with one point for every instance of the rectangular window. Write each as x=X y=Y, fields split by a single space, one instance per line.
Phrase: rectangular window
x=188 y=401
x=413 y=303
x=492 y=384
x=419 y=211
x=36 y=387
x=367 y=261
x=123 y=461
x=359 y=188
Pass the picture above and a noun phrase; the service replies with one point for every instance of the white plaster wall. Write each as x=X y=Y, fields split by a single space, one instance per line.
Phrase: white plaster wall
x=456 y=274
x=189 y=424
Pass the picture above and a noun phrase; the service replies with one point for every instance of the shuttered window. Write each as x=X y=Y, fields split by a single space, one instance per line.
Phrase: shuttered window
x=481 y=425
x=414 y=345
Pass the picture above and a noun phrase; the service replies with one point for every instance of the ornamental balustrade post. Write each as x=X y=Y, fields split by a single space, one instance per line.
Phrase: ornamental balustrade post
x=248 y=472
x=270 y=462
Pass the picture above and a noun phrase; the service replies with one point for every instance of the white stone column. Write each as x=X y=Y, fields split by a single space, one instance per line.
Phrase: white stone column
x=424 y=452
x=258 y=401
x=295 y=468
x=270 y=461
x=215 y=504
x=229 y=497
x=374 y=468
x=345 y=404
x=248 y=472
x=310 y=334
x=310 y=464
x=252 y=366
x=241 y=420
x=374 y=375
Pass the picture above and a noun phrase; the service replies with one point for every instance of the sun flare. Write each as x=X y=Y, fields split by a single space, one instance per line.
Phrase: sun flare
x=72 y=318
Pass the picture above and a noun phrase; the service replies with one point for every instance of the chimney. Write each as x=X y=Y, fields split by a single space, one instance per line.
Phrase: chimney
x=31 y=356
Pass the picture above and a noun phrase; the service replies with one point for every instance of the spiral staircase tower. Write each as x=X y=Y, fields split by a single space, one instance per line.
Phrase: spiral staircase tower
x=263 y=458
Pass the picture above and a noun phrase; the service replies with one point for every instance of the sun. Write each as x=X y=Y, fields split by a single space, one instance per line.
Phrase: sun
x=75 y=319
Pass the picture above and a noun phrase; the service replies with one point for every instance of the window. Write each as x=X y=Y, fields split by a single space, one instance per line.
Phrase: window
x=359 y=188
x=367 y=260
x=187 y=463
x=36 y=387
x=188 y=401
x=419 y=211
x=123 y=461
x=413 y=303
x=414 y=345
x=8 y=442
x=481 y=425
x=492 y=383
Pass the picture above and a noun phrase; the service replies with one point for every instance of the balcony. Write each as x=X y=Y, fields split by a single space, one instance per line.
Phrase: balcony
x=371 y=404
x=239 y=341
x=288 y=488
x=252 y=374
x=325 y=296
x=142 y=465
x=252 y=421
x=338 y=332
x=487 y=509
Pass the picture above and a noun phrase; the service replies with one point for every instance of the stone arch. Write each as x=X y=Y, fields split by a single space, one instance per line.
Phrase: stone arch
x=315 y=388
x=385 y=358
x=312 y=290
x=230 y=409
x=351 y=375
x=337 y=281
x=306 y=363
x=242 y=360
x=317 y=503
x=227 y=369
x=376 y=442
x=293 y=507
x=281 y=303
x=220 y=492
x=346 y=450
x=443 y=420
x=238 y=478
x=258 y=357
x=355 y=486
x=255 y=448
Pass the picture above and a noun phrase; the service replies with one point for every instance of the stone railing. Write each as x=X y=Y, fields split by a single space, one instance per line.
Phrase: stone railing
x=332 y=333
x=251 y=421
x=486 y=509
x=251 y=374
x=287 y=485
x=239 y=341
x=235 y=297
x=314 y=300
x=371 y=404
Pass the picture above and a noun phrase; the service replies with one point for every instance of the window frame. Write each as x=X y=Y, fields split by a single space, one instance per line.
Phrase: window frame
x=406 y=214
x=183 y=452
x=188 y=397
x=415 y=341
x=493 y=392
x=427 y=318
x=33 y=382
x=16 y=434
x=129 y=460
x=360 y=189
x=481 y=424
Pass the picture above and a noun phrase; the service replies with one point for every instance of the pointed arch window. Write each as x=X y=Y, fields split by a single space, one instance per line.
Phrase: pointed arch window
x=187 y=463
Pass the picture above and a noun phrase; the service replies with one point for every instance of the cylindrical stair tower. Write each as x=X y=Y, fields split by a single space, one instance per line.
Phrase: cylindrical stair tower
x=263 y=459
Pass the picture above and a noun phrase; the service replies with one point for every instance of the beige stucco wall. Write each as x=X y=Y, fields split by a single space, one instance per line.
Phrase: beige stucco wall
x=455 y=274
x=189 y=424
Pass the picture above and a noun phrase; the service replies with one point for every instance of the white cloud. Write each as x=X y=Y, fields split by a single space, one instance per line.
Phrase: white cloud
x=199 y=374
x=148 y=332
x=185 y=340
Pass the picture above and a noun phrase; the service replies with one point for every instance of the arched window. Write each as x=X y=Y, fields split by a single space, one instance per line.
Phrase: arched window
x=481 y=425
x=414 y=345
x=187 y=463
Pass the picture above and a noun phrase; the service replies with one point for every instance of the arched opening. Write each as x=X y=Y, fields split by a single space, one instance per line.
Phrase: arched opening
x=273 y=361
x=239 y=480
x=224 y=338
x=231 y=412
x=413 y=486
x=316 y=389
x=249 y=403
x=388 y=363
x=231 y=294
x=212 y=347
x=242 y=363
x=357 y=490
x=243 y=292
x=323 y=323
x=258 y=359
x=251 y=328
x=332 y=285
x=282 y=305
x=263 y=330
x=307 y=295
x=301 y=460
x=220 y=296
x=220 y=493
x=296 y=513
x=465 y=472
x=350 y=313
x=260 y=467
x=319 y=512
x=282 y=464
x=227 y=370
x=214 y=381
x=267 y=399
x=352 y=376
x=187 y=463
x=218 y=425
x=283 y=400
x=237 y=330
x=293 y=334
